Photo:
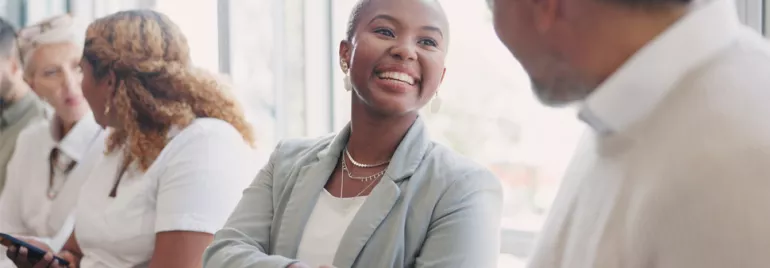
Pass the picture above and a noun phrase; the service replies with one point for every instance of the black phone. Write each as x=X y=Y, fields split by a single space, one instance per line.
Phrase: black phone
x=34 y=254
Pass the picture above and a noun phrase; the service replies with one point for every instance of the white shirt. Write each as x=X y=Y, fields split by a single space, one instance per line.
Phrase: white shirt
x=676 y=169
x=27 y=209
x=325 y=227
x=193 y=185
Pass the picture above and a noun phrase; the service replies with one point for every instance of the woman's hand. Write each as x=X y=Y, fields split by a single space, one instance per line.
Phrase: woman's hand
x=19 y=257
x=70 y=257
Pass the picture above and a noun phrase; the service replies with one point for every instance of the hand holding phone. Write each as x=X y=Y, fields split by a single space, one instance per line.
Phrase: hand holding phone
x=26 y=254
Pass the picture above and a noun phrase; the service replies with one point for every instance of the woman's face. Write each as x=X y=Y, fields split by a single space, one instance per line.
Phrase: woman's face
x=97 y=93
x=396 y=55
x=55 y=76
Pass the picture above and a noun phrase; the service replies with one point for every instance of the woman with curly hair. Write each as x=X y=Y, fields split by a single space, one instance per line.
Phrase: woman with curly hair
x=176 y=158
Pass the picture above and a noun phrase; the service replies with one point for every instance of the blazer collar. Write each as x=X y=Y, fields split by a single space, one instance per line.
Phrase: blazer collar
x=311 y=178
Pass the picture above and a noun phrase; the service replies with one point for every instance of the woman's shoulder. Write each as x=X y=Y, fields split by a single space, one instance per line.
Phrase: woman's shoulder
x=35 y=133
x=209 y=135
x=204 y=130
x=299 y=147
x=452 y=168
x=205 y=127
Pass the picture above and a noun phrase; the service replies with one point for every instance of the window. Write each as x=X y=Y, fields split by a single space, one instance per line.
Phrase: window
x=750 y=13
x=503 y=126
x=267 y=66
x=766 y=4
x=43 y=9
x=198 y=21
x=252 y=42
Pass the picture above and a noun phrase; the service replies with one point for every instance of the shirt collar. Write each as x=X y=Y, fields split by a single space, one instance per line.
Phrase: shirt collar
x=79 y=138
x=638 y=86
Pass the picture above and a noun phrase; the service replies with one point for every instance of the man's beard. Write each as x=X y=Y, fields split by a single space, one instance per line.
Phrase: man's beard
x=561 y=90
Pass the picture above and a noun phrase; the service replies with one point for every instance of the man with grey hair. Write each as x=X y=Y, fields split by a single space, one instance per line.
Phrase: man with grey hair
x=675 y=168
x=18 y=105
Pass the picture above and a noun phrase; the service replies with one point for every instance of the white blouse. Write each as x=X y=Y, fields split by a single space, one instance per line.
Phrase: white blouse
x=193 y=185
x=34 y=206
x=325 y=227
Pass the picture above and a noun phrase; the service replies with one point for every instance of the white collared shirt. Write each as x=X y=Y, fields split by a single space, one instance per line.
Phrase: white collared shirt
x=25 y=205
x=193 y=185
x=676 y=170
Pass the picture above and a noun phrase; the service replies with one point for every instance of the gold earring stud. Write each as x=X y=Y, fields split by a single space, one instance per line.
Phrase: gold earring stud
x=345 y=67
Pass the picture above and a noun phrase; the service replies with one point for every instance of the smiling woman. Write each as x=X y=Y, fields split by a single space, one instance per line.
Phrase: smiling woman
x=395 y=197
x=487 y=113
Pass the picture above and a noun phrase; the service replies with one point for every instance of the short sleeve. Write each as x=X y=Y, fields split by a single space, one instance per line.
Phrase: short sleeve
x=207 y=168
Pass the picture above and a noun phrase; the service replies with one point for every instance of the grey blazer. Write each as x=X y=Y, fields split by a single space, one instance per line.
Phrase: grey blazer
x=433 y=208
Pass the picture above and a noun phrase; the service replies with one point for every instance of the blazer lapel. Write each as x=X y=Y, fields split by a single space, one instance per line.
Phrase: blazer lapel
x=384 y=196
x=310 y=180
x=309 y=183
x=377 y=206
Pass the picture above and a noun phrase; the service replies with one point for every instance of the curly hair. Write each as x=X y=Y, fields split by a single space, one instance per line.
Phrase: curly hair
x=156 y=85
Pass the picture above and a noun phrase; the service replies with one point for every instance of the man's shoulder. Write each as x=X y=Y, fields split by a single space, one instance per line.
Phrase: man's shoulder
x=732 y=87
x=743 y=65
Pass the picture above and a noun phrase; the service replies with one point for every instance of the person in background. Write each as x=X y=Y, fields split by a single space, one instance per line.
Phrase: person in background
x=18 y=105
x=675 y=168
x=40 y=194
x=380 y=193
x=175 y=160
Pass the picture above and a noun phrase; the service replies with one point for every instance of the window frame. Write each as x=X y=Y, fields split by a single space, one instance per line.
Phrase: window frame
x=751 y=12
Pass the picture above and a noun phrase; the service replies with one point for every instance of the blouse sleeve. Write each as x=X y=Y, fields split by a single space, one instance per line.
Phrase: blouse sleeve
x=206 y=171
